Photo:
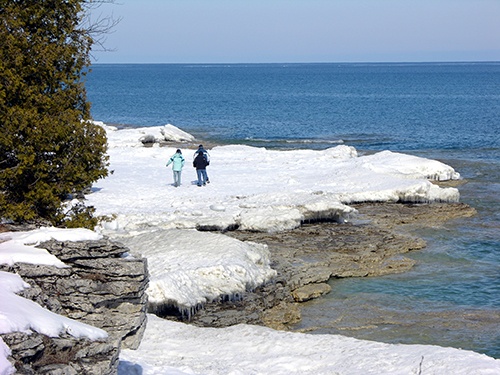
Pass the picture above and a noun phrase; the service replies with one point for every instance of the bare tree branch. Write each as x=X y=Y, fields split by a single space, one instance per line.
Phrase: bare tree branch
x=98 y=25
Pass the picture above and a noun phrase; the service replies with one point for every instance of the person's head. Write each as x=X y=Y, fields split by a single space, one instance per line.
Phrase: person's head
x=179 y=151
x=200 y=146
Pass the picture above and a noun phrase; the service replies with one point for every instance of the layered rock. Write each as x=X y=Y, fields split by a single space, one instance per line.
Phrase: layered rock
x=307 y=257
x=102 y=287
x=35 y=353
x=311 y=291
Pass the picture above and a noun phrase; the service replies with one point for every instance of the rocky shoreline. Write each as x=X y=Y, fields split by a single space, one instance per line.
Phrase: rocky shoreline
x=104 y=289
x=307 y=257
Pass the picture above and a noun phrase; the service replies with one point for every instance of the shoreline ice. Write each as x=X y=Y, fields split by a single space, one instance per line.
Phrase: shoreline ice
x=190 y=268
x=254 y=189
x=177 y=348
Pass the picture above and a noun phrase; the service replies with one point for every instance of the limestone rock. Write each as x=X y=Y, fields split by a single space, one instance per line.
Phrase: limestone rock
x=282 y=315
x=371 y=246
x=101 y=287
x=310 y=291
x=38 y=354
x=320 y=273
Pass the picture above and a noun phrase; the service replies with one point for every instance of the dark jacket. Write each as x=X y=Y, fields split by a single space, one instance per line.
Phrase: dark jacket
x=200 y=161
x=205 y=152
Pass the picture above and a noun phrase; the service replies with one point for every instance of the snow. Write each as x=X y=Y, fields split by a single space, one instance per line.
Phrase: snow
x=256 y=188
x=134 y=137
x=176 y=348
x=5 y=367
x=21 y=315
x=251 y=188
x=190 y=268
x=409 y=166
x=18 y=247
x=174 y=134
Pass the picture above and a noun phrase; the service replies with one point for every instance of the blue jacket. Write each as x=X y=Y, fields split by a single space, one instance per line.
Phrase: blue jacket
x=177 y=160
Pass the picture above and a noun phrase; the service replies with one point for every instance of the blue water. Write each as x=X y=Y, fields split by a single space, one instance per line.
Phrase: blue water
x=448 y=112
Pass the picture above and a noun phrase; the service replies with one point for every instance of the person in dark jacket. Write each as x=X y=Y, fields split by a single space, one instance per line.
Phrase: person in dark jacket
x=200 y=163
x=207 y=156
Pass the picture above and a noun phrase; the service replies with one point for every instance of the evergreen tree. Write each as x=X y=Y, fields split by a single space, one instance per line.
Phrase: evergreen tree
x=48 y=148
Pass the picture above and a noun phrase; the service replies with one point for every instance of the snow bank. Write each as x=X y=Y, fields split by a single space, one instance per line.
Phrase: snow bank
x=414 y=167
x=174 y=134
x=136 y=137
x=189 y=268
x=19 y=247
x=22 y=315
x=176 y=348
x=255 y=188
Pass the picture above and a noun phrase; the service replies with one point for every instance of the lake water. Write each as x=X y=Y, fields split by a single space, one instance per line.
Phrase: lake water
x=449 y=112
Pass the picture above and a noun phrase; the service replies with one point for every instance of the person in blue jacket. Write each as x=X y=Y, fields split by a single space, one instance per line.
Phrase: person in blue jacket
x=177 y=161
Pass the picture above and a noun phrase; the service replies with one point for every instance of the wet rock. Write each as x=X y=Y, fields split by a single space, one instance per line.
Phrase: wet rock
x=310 y=291
x=281 y=315
x=412 y=216
x=373 y=245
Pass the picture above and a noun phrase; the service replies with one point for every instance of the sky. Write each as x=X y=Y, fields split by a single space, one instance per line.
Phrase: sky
x=262 y=31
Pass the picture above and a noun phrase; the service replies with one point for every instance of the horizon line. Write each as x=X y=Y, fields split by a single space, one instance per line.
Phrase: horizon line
x=304 y=62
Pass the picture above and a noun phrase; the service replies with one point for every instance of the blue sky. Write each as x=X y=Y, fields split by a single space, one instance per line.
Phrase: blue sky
x=253 y=31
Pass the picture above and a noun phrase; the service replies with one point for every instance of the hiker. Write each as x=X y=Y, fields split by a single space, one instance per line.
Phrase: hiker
x=207 y=157
x=200 y=162
x=177 y=161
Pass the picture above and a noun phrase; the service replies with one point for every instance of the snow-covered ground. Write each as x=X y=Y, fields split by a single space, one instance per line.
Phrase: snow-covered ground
x=251 y=188
x=255 y=188
x=176 y=348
